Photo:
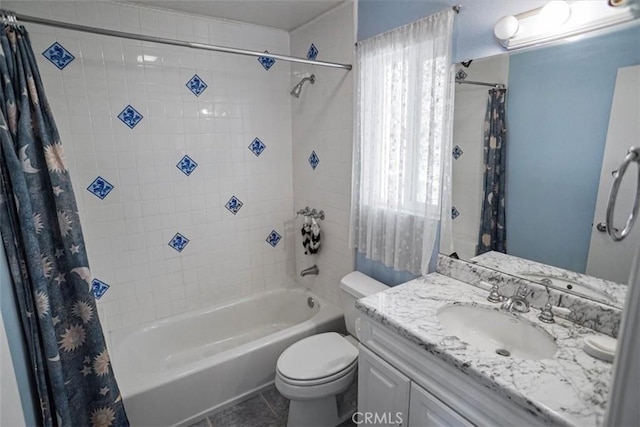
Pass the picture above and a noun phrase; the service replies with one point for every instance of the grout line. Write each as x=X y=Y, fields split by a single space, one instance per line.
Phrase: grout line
x=269 y=405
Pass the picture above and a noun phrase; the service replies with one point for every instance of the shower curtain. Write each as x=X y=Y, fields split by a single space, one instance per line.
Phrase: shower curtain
x=493 y=232
x=45 y=249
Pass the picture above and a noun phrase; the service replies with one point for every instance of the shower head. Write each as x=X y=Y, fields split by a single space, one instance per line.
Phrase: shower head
x=298 y=88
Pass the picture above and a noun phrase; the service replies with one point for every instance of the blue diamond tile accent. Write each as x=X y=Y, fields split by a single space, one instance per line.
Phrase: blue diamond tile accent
x=266 y=61
x=99 y=288
x=130 y=116
x=178 y=242
x=461 y=75
x=196 y=85
x=313 y=52
x=257 y=147
x=187 y=165
x=234 y=204
x=314 y=160
x=457 y=152
x=273 y=238
x=100 y=187
x=58 y=55
x=454 y=212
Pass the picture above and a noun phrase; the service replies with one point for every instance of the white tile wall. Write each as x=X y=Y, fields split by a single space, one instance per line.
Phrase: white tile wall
x=468 y=134
x=323 y=122
x=127 y=233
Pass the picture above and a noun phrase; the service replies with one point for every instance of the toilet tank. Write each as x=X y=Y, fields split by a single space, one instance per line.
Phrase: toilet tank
x=354 y=286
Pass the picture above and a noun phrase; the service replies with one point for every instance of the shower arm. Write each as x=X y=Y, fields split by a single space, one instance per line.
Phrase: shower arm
x=311 y=78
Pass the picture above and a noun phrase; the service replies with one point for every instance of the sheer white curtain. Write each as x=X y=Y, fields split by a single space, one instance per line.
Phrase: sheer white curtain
x=402 y=148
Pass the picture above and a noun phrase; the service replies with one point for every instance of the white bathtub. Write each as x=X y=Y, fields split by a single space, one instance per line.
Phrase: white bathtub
x=177 y=370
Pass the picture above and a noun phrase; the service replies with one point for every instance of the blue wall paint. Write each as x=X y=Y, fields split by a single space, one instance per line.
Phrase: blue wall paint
x=17 y=346
x=472 y=31
x=378 y=16
x=558 y=108
x=381 y=272
x=388 y=275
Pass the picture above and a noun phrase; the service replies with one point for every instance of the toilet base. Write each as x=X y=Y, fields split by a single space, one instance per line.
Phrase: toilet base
x=340 y=408
x=316 y=413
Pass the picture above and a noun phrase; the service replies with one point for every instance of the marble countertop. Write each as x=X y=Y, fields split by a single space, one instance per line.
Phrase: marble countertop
x=569 y=389
x=613 y=293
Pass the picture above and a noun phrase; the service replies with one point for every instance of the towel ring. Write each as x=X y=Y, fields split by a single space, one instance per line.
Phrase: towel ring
x=633 y=155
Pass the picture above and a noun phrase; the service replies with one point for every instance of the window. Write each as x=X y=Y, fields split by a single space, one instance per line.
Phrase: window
x=402 y=130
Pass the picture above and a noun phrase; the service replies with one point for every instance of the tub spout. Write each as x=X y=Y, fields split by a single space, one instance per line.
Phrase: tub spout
x=311 y=270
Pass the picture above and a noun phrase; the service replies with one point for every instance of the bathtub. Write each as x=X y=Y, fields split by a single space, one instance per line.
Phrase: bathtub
x=177 y=370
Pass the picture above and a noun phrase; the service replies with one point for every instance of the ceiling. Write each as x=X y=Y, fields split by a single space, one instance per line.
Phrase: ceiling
x=283 y=14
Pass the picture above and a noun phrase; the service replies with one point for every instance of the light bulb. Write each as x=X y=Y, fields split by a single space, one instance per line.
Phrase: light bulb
x=554 y=14
x=506 y=27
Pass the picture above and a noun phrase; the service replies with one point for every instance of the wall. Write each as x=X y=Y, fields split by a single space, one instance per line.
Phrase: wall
x=17 y=406
x=129 y=231
x=11 y=413
x=323 y=122
x=468 y=136
x=473 y=28
x=554 y=167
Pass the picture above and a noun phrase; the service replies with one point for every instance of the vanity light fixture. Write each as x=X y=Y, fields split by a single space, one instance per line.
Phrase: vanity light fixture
x=554 y=15
x=559 y=19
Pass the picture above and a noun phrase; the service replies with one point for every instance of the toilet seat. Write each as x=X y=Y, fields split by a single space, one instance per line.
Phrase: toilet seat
x=317 y=359
x=319 y=381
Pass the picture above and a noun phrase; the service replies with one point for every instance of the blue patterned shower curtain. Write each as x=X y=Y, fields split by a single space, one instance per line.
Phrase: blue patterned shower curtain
x=493 y=231
x=45 y=249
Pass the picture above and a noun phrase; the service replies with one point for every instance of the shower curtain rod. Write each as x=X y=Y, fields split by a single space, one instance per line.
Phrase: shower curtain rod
x=471 y=82
x=161 y=40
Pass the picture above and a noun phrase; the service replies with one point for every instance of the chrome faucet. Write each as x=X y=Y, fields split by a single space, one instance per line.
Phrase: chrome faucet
x=546 y=314
x=494 y=294
x=311 y=270
x=518 y=301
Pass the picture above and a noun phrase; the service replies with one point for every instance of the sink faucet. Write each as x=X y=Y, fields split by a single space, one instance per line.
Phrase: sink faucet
x=546 y=315
x=518 y=301
x=311 y=270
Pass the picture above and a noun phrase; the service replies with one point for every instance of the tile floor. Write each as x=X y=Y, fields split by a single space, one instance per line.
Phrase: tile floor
x=267 y=409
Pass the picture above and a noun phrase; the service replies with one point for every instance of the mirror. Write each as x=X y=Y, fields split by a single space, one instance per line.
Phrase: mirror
x=571 y=115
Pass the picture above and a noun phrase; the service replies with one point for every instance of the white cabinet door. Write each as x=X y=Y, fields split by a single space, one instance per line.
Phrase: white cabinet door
x=383 y=392
x=425 y=410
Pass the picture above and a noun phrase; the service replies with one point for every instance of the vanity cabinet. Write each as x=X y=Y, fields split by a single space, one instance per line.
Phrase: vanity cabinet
x=390 y=398
x=396 y=375
x=382 y=390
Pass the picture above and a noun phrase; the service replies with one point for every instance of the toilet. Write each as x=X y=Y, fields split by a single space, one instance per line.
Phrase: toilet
x=313 y=371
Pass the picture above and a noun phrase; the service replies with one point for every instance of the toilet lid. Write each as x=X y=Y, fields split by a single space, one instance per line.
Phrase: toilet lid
x=317 y=356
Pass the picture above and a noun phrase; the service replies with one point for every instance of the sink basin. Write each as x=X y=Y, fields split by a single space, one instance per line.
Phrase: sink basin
x=497 y=332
